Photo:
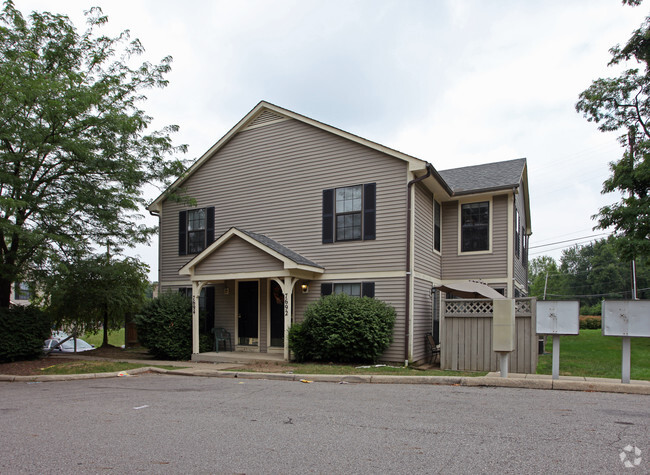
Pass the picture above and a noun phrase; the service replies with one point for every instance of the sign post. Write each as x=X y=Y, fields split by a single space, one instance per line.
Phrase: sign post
x=558 y=317
x=626 y=318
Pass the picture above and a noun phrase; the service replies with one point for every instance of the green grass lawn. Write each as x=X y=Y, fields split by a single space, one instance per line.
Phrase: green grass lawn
x=115 y=338
x=591 y=354
x=84 y=367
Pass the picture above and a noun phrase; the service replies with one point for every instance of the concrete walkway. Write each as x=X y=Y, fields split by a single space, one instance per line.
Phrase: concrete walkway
x=229 y=370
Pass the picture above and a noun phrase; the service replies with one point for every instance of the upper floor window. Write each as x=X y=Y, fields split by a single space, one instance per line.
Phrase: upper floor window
x=349 y=213
x=517 y=234
x=22 y=291
x=436 y=226
x=475 y=226
x=195 y=230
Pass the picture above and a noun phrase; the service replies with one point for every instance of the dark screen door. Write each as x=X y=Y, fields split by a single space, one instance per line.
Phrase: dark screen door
x=247 y=314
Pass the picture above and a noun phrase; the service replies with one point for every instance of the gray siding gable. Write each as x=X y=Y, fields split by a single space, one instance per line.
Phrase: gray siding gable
x=280 y=249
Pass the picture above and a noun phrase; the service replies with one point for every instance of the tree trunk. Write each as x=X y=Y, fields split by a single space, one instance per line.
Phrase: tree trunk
x=105 y=341
x=5 y=293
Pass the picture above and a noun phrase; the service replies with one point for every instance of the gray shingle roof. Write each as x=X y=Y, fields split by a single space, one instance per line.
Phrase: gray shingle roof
x=279 y=248
x=490 y=176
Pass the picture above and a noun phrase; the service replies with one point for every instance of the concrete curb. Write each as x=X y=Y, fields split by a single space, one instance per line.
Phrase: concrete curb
x=571 y=384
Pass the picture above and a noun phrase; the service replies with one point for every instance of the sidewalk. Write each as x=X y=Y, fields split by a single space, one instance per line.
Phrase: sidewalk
x=228 y=370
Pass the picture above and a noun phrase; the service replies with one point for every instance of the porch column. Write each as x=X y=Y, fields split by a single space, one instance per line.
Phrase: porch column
x=196 y=294
x=287 y=289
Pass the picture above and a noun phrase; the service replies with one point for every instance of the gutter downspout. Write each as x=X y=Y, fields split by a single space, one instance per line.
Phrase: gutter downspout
x=407 y=308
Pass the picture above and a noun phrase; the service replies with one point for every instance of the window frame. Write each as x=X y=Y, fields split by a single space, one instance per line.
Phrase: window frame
x=367 y=289
x=184 y=231
x=368 y=214
x=22 y=291
x=517 y=234
x=191 y=232
x=476 y=200
x=358 y=213
x=437 y=233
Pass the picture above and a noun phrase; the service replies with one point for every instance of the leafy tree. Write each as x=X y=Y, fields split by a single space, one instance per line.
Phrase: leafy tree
x=543 y=274
x=623 y=104
x=75 y=149
x=97 y=293
x=588 y=273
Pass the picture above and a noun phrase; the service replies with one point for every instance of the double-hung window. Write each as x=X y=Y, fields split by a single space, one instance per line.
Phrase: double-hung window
x=436 y=226
x=195 y=230
x=353 y=289
x=475 y=226
x=22 y=291
x=349 y=213
x=517 y=234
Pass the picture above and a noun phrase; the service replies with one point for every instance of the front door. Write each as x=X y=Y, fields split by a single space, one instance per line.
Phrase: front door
x=247 y=307
x=277 y=315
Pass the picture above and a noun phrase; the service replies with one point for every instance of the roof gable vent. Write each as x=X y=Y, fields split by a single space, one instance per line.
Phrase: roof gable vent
x=265 y=117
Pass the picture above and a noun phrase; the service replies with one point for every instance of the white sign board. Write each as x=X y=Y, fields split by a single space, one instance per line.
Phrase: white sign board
x=558 y=317
x=626 y=318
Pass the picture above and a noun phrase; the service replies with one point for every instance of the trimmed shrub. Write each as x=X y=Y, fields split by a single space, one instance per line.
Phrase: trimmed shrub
x=165 y=326
x=590 y=323
x=590 y=310
x=340 y=328
x=23 y=330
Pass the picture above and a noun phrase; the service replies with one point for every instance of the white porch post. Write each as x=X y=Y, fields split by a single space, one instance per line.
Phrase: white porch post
x=196 y=294
x=287 y=291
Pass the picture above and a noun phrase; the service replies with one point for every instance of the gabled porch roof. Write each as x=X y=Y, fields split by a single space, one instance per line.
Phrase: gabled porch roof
x=279 y=260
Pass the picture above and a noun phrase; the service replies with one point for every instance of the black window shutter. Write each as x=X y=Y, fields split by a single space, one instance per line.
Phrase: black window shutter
x=328 y=216
x=209 y=226
x=369 y=210
x=326 y=289
x=182 y=233
x=368 y=289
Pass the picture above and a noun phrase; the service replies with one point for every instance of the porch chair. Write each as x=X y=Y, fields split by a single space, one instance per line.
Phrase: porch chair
x=432 y=348
x=221 y=334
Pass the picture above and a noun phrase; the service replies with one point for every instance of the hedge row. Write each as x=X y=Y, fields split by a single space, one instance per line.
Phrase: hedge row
x=23 y=331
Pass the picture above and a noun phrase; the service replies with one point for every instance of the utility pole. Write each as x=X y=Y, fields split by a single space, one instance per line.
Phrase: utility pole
x=634 y=297
x=545 y=285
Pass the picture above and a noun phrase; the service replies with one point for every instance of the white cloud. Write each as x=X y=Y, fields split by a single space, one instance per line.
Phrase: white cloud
x=454 y=82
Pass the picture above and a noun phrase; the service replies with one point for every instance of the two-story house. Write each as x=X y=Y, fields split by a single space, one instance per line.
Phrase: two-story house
x=286 y=209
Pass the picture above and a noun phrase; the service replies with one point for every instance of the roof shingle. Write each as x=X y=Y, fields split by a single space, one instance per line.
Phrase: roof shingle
x=486 y=177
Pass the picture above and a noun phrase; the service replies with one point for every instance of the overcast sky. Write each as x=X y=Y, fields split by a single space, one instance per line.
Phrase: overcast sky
x=453 y=82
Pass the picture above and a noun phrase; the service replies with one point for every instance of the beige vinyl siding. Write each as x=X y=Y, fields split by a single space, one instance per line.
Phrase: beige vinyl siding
x=456 y=265
x=390 y=291
x=520 y=271
x=422 y=317
x=426 y=260
x=270 y=180
x=237 y=255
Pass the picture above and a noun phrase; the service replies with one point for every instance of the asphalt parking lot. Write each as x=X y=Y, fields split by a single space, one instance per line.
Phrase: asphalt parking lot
x=162 y=423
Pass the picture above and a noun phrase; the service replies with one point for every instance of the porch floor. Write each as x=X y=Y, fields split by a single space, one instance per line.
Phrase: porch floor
x=241 y=357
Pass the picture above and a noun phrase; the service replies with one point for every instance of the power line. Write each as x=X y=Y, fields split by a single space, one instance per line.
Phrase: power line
x=597 y=295
x=569 y=240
